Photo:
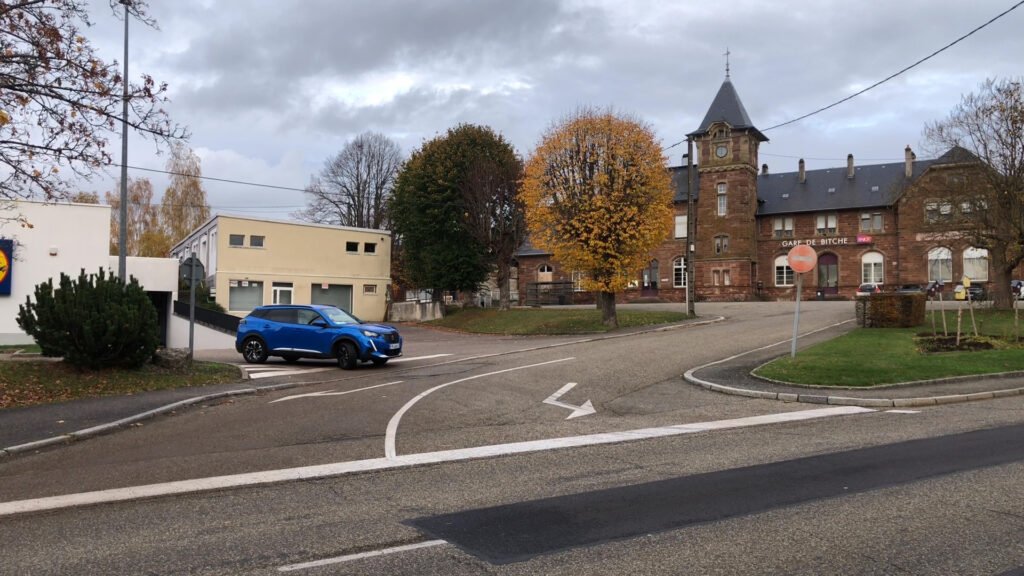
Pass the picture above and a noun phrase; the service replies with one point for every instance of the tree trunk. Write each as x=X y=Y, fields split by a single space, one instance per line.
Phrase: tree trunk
x=1000 y=286
x=606 y=303
x=503 y=290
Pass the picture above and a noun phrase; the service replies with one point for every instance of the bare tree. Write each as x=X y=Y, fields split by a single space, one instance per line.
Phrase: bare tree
x=495 y=212
x=353 y=188
x=60 y=103
x=988 y=195
x=184 y=207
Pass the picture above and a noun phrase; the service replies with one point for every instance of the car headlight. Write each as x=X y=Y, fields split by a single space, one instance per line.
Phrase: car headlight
x=370 y=334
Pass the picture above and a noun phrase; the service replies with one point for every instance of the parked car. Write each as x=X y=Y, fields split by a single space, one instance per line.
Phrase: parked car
x=1017 y=289
x=868 y=288
x=977 y=292
x=911 y=289
x=298 y=331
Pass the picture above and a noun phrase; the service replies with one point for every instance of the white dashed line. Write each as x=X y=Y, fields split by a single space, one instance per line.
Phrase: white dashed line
x=360 y=556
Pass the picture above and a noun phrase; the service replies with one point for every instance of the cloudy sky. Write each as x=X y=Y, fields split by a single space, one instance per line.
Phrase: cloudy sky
x=271 y=88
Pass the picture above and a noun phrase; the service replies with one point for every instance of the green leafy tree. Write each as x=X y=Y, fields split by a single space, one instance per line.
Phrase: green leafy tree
x=94 y=321
x=599 y=198
x=431 y=215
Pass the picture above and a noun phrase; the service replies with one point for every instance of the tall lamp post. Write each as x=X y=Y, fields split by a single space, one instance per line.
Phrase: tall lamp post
x=122 y=237
x=690 y=241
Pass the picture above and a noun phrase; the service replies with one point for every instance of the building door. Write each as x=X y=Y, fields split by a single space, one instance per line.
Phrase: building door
x=828 y=273
x=650 y=284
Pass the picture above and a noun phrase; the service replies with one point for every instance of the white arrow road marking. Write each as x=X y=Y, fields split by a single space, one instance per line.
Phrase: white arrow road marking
x=332 y=393
x=581 y=410
x=903 y=411
x=360 y=466
x=392 y=430
x=360 y=556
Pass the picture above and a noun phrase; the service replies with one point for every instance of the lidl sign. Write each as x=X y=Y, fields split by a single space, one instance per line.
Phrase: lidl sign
x=6 y=262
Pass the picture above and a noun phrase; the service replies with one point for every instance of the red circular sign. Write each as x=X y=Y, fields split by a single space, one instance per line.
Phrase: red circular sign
x=802 y=258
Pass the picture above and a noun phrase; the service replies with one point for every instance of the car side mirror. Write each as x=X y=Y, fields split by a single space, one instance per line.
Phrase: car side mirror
x=319 y=323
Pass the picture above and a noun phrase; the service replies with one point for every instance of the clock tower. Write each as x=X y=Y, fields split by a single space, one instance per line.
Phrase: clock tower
x=726 y=214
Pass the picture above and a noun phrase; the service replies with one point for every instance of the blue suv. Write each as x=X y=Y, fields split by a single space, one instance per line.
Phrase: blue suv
x=296 y=331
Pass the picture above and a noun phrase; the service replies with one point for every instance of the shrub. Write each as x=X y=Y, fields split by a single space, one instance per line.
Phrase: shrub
x=93 y=322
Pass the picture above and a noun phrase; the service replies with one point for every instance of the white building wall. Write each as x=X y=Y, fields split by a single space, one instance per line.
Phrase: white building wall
x=203 y=338
x=63 y=238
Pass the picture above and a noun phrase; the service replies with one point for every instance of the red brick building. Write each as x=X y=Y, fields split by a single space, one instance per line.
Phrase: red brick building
x=880 y=223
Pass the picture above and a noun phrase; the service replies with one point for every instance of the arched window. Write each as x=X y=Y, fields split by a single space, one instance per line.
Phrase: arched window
x=976 y=264
x=723 y=204
x=544 y=273
x=872 y=268
x=783 y=273
x=679 y=273
x=940 y=265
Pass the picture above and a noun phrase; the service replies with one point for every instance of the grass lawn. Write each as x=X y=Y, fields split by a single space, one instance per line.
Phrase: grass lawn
x=871 y=356
x=29 y=382
x=536 y=321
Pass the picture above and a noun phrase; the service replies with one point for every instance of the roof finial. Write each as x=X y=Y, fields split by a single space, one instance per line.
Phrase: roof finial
x=727 y=62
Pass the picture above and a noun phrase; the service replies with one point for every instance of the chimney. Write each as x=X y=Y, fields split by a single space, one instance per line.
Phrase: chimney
x=803 y=173
x=849 y=166
x=764 y=169
x=909 y=156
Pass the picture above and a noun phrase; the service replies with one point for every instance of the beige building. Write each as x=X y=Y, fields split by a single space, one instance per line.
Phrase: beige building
x=250 y=262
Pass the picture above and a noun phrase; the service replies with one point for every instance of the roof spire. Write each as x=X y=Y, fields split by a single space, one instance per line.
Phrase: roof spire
x=727 y=61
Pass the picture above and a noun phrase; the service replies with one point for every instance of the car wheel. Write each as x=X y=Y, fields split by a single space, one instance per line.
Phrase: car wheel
x=379 y=361
x=254 y=351
x=290 y=358
x=347 y=356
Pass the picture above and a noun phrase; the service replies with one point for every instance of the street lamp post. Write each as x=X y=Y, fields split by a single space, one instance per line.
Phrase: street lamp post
x=690 y=241
x=122 y=237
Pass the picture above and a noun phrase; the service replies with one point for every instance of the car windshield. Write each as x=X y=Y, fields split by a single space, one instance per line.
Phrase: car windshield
x=339 y=316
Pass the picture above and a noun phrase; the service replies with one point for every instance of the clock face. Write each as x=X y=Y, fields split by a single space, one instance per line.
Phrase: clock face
x=721 y=151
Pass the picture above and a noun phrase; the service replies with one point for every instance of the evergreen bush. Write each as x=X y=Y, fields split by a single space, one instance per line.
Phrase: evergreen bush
x=95 y=321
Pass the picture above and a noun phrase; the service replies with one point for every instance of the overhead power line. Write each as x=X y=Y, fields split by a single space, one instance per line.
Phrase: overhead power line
x=226 y=180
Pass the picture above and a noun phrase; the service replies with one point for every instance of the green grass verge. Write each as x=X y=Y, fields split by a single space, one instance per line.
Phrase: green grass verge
x=537 y=321
x=29 y=382
x=873 y=356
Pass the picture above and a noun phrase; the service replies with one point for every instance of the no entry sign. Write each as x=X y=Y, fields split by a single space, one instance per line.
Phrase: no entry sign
x=802 y=258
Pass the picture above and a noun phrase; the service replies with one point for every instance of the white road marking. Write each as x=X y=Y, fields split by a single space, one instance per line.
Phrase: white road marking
x=392 y=429
x=903 y=411
x=410 y=358
x=360 y=556
x=375 y=464
x=274 y=372
x=581 y=410
x=332 y=393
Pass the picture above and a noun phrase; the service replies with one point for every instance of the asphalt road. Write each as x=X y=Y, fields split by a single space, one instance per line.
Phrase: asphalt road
x=485 y=477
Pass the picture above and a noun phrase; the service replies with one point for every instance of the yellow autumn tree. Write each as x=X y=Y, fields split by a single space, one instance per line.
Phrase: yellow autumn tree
x=145 y=235
x=598 y=197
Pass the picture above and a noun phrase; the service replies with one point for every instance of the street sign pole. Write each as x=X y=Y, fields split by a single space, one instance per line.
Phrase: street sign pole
x=801 y=258
x=796 y=317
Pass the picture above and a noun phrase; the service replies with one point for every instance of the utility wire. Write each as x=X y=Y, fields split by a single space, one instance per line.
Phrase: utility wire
x=886 y=79
x=219 y=179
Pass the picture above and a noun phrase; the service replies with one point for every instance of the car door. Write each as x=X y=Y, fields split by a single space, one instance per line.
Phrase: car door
x=278 y=331
x=312 y=338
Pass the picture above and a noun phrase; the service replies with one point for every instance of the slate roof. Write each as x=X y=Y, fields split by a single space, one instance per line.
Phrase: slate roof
x=680 y=182
x=829 y=189
x=727 y=107
x=957 y=155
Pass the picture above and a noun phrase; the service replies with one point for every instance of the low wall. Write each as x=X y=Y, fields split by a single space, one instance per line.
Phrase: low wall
x=415 y=311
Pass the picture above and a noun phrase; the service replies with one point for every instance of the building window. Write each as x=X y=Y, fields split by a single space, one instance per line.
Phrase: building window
x=871 y=222
x=577 y=281
x=369 y=288
x=545 y=273
x=244 y=295
x=976 y=264
x=680 y=226
x=352 y=247
x=369 y=247
x=256 y=241
x=872 y=268
x=726 y=278
x=940 y=265
x=679 y=273
x=936 y=211
x=825 y=224
x=783 y=273
x=236 y=240
x=722 y=204
x=721 y=244
x=715 y=277
x=782 y=227
x=281 y=293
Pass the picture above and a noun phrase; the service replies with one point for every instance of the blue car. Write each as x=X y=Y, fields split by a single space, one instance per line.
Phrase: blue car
x=297 y=331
